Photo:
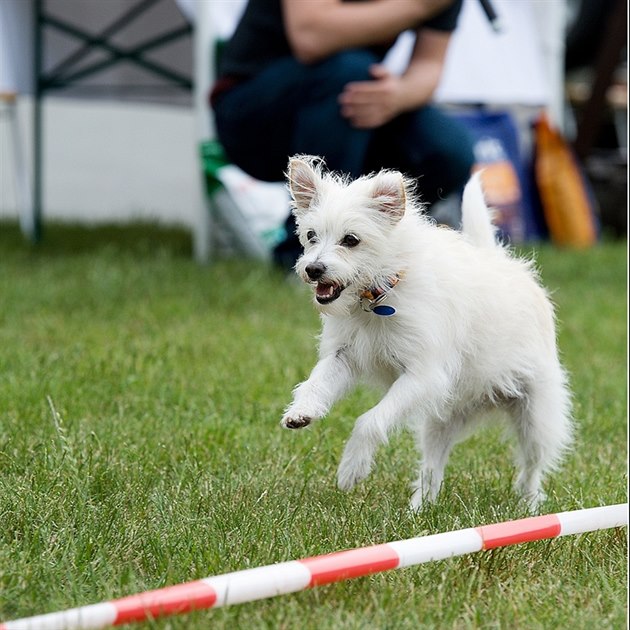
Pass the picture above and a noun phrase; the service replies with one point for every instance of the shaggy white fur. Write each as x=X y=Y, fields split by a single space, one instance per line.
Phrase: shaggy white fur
x=471 y=330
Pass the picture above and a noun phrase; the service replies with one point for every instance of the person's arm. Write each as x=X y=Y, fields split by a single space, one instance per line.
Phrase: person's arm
x=369 y=104
x=318 y=28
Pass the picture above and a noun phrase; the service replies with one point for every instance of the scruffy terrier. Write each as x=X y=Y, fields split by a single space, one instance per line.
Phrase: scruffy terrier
x=449 y=324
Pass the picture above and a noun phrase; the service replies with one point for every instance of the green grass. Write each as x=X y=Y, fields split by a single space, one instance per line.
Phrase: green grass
x=140 y=396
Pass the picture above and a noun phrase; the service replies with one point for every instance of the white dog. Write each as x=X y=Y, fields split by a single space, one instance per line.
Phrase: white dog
x=448 y=323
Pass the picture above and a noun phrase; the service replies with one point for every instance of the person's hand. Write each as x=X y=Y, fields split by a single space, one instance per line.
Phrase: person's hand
x=369 y=104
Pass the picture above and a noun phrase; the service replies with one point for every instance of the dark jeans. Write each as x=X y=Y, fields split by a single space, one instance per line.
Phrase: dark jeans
x=292 y=108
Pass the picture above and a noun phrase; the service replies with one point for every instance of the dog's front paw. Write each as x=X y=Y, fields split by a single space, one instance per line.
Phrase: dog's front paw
x=352 y=470
x=296 y=421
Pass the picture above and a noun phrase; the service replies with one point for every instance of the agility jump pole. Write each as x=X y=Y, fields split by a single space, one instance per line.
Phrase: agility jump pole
x=297 y=575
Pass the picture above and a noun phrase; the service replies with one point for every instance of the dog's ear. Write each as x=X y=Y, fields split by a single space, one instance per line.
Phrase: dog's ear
x=304 y=180
x=389 y=194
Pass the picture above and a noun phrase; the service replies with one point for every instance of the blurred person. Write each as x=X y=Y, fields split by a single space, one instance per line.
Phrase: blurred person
x=306 y=77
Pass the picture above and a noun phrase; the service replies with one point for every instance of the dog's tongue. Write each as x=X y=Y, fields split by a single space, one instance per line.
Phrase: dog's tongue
x=325 y=290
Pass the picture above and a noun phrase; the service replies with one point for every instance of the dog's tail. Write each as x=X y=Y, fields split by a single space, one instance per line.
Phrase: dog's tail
x=476 y=216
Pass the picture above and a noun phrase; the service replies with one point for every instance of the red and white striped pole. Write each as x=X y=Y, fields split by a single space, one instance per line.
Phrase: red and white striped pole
x=298 y=575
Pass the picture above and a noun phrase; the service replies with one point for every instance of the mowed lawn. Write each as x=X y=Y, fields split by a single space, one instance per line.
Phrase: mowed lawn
x=140 y=446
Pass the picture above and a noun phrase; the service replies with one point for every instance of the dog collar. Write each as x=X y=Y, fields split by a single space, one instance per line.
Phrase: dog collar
x=371 y=298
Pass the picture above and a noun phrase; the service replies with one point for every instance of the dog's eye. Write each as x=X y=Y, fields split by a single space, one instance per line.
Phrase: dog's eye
x=311 y=237
x=350 y=240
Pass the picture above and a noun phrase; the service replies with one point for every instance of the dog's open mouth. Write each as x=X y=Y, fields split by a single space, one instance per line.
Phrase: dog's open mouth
x=327 y=292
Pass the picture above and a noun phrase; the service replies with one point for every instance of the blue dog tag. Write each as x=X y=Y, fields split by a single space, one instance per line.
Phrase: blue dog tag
x=383 y=310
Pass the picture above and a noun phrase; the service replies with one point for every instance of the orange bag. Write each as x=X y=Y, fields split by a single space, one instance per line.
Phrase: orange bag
x=567 y=203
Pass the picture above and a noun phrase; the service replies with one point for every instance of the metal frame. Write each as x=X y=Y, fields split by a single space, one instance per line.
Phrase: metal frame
x=66 y=73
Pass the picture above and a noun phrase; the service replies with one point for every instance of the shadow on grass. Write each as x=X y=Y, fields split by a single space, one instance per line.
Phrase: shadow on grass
x=60 y=239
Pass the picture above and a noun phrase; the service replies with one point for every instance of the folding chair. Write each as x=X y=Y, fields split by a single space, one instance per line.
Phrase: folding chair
x=221 y=219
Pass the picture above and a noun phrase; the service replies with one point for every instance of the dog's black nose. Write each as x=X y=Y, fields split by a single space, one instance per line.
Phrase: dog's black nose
x=315 y=270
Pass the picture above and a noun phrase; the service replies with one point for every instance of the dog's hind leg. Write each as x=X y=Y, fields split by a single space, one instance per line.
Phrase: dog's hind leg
x=543 y=429
x=435 y=440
